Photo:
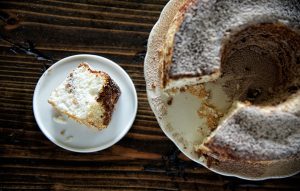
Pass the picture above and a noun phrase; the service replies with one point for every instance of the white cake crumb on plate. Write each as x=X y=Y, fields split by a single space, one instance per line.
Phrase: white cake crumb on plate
x=78 y=137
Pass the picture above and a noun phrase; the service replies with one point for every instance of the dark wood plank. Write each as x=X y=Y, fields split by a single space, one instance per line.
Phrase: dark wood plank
x=35 y=34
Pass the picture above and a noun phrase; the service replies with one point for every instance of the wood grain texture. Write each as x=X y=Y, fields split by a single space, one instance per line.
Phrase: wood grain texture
x=35 y=34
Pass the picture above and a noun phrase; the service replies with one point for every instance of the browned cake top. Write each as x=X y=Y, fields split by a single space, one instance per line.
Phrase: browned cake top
x=109 y=97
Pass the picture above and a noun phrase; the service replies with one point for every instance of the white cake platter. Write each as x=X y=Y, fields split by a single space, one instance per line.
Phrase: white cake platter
x=69 y=134
x=179 y=120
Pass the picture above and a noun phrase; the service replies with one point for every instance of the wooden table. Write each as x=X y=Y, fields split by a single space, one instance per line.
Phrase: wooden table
x=34 y=35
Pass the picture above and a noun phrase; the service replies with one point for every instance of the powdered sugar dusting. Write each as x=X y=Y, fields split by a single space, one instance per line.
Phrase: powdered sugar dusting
x=253 y=133
x=198 y=41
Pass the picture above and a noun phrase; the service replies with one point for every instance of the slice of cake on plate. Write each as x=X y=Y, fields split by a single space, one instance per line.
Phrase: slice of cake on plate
x=88 y=96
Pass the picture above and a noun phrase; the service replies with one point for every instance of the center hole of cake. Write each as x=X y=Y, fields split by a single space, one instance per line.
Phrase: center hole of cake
x=259 y=64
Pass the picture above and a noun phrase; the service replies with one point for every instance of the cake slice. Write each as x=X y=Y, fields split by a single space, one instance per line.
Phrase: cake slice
x=88 y=96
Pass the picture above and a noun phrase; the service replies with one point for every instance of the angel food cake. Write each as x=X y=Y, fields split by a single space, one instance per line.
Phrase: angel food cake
x=88 y=96
x=247 y=52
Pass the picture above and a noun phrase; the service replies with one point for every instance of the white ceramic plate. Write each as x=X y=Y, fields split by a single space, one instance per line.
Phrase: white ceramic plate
x=69 y=134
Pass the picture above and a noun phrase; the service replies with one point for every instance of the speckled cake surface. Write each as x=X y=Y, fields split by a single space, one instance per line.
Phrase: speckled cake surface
x=258 y=135
x=223 y=80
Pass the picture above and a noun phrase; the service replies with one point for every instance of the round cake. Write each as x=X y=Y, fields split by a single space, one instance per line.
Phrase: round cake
x=241 y=61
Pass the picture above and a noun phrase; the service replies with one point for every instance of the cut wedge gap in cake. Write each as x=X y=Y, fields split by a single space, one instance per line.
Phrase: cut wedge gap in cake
x=261 y=76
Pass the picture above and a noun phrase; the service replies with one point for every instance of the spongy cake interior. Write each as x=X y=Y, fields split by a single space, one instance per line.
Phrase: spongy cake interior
x=77 y=95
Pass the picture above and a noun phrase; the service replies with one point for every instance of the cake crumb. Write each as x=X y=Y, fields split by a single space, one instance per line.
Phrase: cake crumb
x=62 y=132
